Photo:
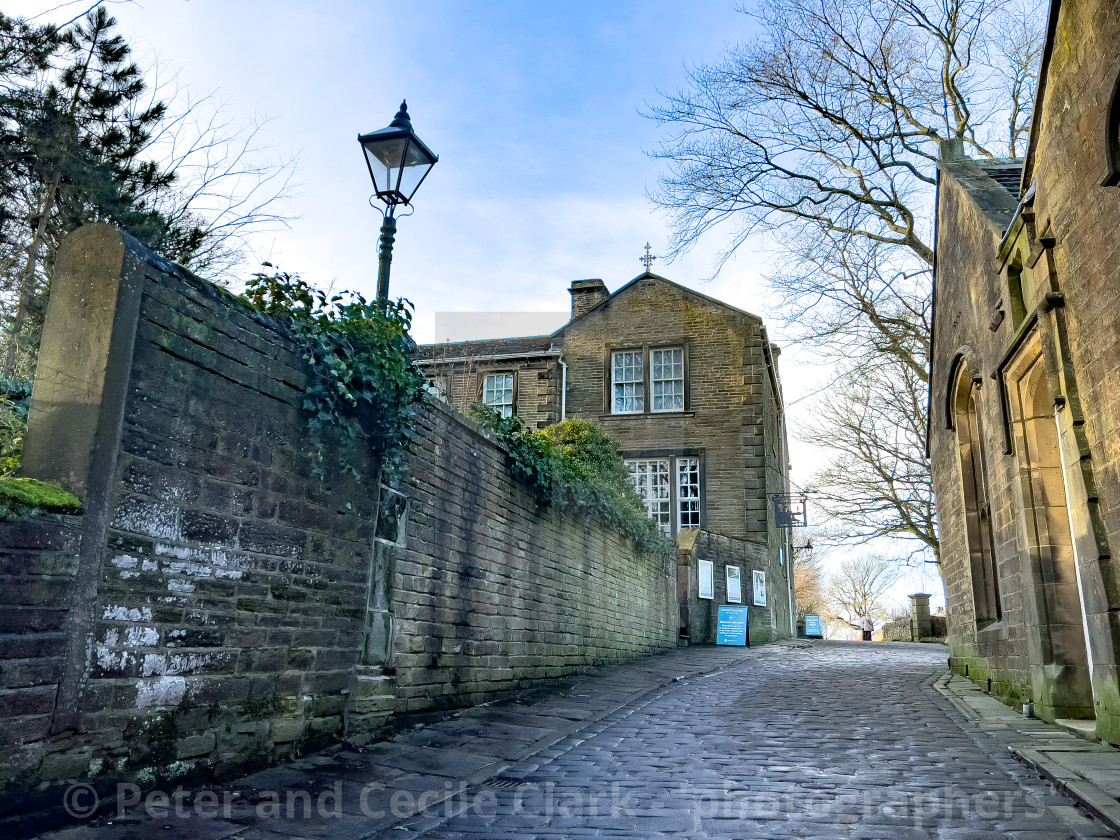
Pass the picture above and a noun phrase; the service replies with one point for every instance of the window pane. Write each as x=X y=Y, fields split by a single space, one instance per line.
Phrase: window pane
x=651 y=480
x=437 y=387
x=497 y=392
x=688 y=492
x=667 y=379
x=628 y=389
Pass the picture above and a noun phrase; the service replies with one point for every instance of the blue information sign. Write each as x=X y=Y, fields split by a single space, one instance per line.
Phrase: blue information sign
x=732 y=627
x=813 y=626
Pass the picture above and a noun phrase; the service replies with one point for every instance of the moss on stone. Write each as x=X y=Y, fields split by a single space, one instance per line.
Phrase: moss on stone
x=20 y=496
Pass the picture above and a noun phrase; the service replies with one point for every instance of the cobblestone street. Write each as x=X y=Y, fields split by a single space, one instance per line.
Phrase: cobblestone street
x=835 y=741
x=827 y=740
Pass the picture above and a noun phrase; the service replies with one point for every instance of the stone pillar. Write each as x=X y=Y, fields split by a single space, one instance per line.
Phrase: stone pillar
x=921 y=626
x=85 y=359
x=77 y=411
x=686 y=543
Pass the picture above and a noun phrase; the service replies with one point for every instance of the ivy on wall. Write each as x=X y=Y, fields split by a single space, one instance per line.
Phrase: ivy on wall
x=362 y=378
x=575 y=465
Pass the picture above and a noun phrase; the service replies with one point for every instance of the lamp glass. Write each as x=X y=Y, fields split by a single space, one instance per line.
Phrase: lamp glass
x=398 y=164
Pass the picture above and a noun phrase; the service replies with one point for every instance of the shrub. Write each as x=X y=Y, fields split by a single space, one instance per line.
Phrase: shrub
x=575 y=465
x=15 y=396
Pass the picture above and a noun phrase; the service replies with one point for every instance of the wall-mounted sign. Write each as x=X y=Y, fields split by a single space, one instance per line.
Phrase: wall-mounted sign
x=760 y=589
x=732 y=626
x=734 y=585
x=706 y=570
x=813 y=626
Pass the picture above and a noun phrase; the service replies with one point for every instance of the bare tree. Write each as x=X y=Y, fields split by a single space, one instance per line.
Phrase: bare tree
x=1020 y=48
x=808 y=584
x=85 y=136
x=878 y=483
x=824 y=133
x=855 y=300
x=859 y=588
x=834 y=117
x=229 y=185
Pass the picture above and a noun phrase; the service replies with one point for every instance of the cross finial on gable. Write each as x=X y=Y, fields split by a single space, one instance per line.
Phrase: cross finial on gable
x=647 y=259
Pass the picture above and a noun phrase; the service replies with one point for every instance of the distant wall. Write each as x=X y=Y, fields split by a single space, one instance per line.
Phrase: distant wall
x=219 y=604
x=767 y=623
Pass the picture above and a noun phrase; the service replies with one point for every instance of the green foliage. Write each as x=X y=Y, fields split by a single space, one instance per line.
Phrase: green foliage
x=575 y=466
x=588 y=452
x=362 y=379
x=19 y=496
x=15 y=397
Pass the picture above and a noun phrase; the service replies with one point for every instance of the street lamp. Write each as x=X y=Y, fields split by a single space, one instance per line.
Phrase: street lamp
x=398 y=163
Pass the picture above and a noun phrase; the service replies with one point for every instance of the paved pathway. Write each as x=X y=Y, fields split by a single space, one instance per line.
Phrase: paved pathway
x=829 y=740
x=1067 y=755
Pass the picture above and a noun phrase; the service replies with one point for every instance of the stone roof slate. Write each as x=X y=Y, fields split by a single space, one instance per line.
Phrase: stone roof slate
x=484 y=348
x=1007 y=173
x=993 y=185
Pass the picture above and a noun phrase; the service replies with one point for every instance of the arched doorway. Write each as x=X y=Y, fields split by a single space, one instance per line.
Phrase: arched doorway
x=977 y=505
x=1061 y=677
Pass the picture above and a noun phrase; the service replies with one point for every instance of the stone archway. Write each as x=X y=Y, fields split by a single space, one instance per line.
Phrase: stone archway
x=1061 y=674
x=977 y=505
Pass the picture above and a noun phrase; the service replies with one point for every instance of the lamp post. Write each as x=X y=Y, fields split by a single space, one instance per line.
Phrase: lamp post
x=398 y=163
x=795 y=551
x=807 y=548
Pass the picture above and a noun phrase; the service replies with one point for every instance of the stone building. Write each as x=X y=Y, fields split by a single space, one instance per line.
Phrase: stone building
x=689 y=387
x=1025 y=389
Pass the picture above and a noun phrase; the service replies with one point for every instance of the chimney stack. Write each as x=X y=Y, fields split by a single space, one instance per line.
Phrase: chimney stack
x=952 y=149
x=587 y=294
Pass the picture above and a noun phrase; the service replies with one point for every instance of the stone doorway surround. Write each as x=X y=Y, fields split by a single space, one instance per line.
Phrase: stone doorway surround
x=1061 y=673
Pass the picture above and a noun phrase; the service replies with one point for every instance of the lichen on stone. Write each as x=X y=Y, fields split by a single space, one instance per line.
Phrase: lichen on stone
x=20 y=496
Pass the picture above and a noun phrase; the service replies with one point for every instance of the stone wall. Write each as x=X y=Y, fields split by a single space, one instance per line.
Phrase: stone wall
x=219 y=603
x=767 y=622
x=492 y=593
x=38 y=563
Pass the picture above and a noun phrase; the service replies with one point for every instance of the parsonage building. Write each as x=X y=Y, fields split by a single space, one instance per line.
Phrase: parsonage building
x=689 y=387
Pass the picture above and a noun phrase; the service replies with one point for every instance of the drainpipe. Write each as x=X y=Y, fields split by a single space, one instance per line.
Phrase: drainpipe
x=789 y=588
x=563 y=389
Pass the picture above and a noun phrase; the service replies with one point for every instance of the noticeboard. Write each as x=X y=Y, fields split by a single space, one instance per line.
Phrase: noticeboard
x=732 y=626
x=760 y=589
x=706 y=571
x=734 y=585
x=813 y=626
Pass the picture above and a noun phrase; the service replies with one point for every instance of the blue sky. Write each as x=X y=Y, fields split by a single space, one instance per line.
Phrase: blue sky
x=535 y=110
x=532 y=107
